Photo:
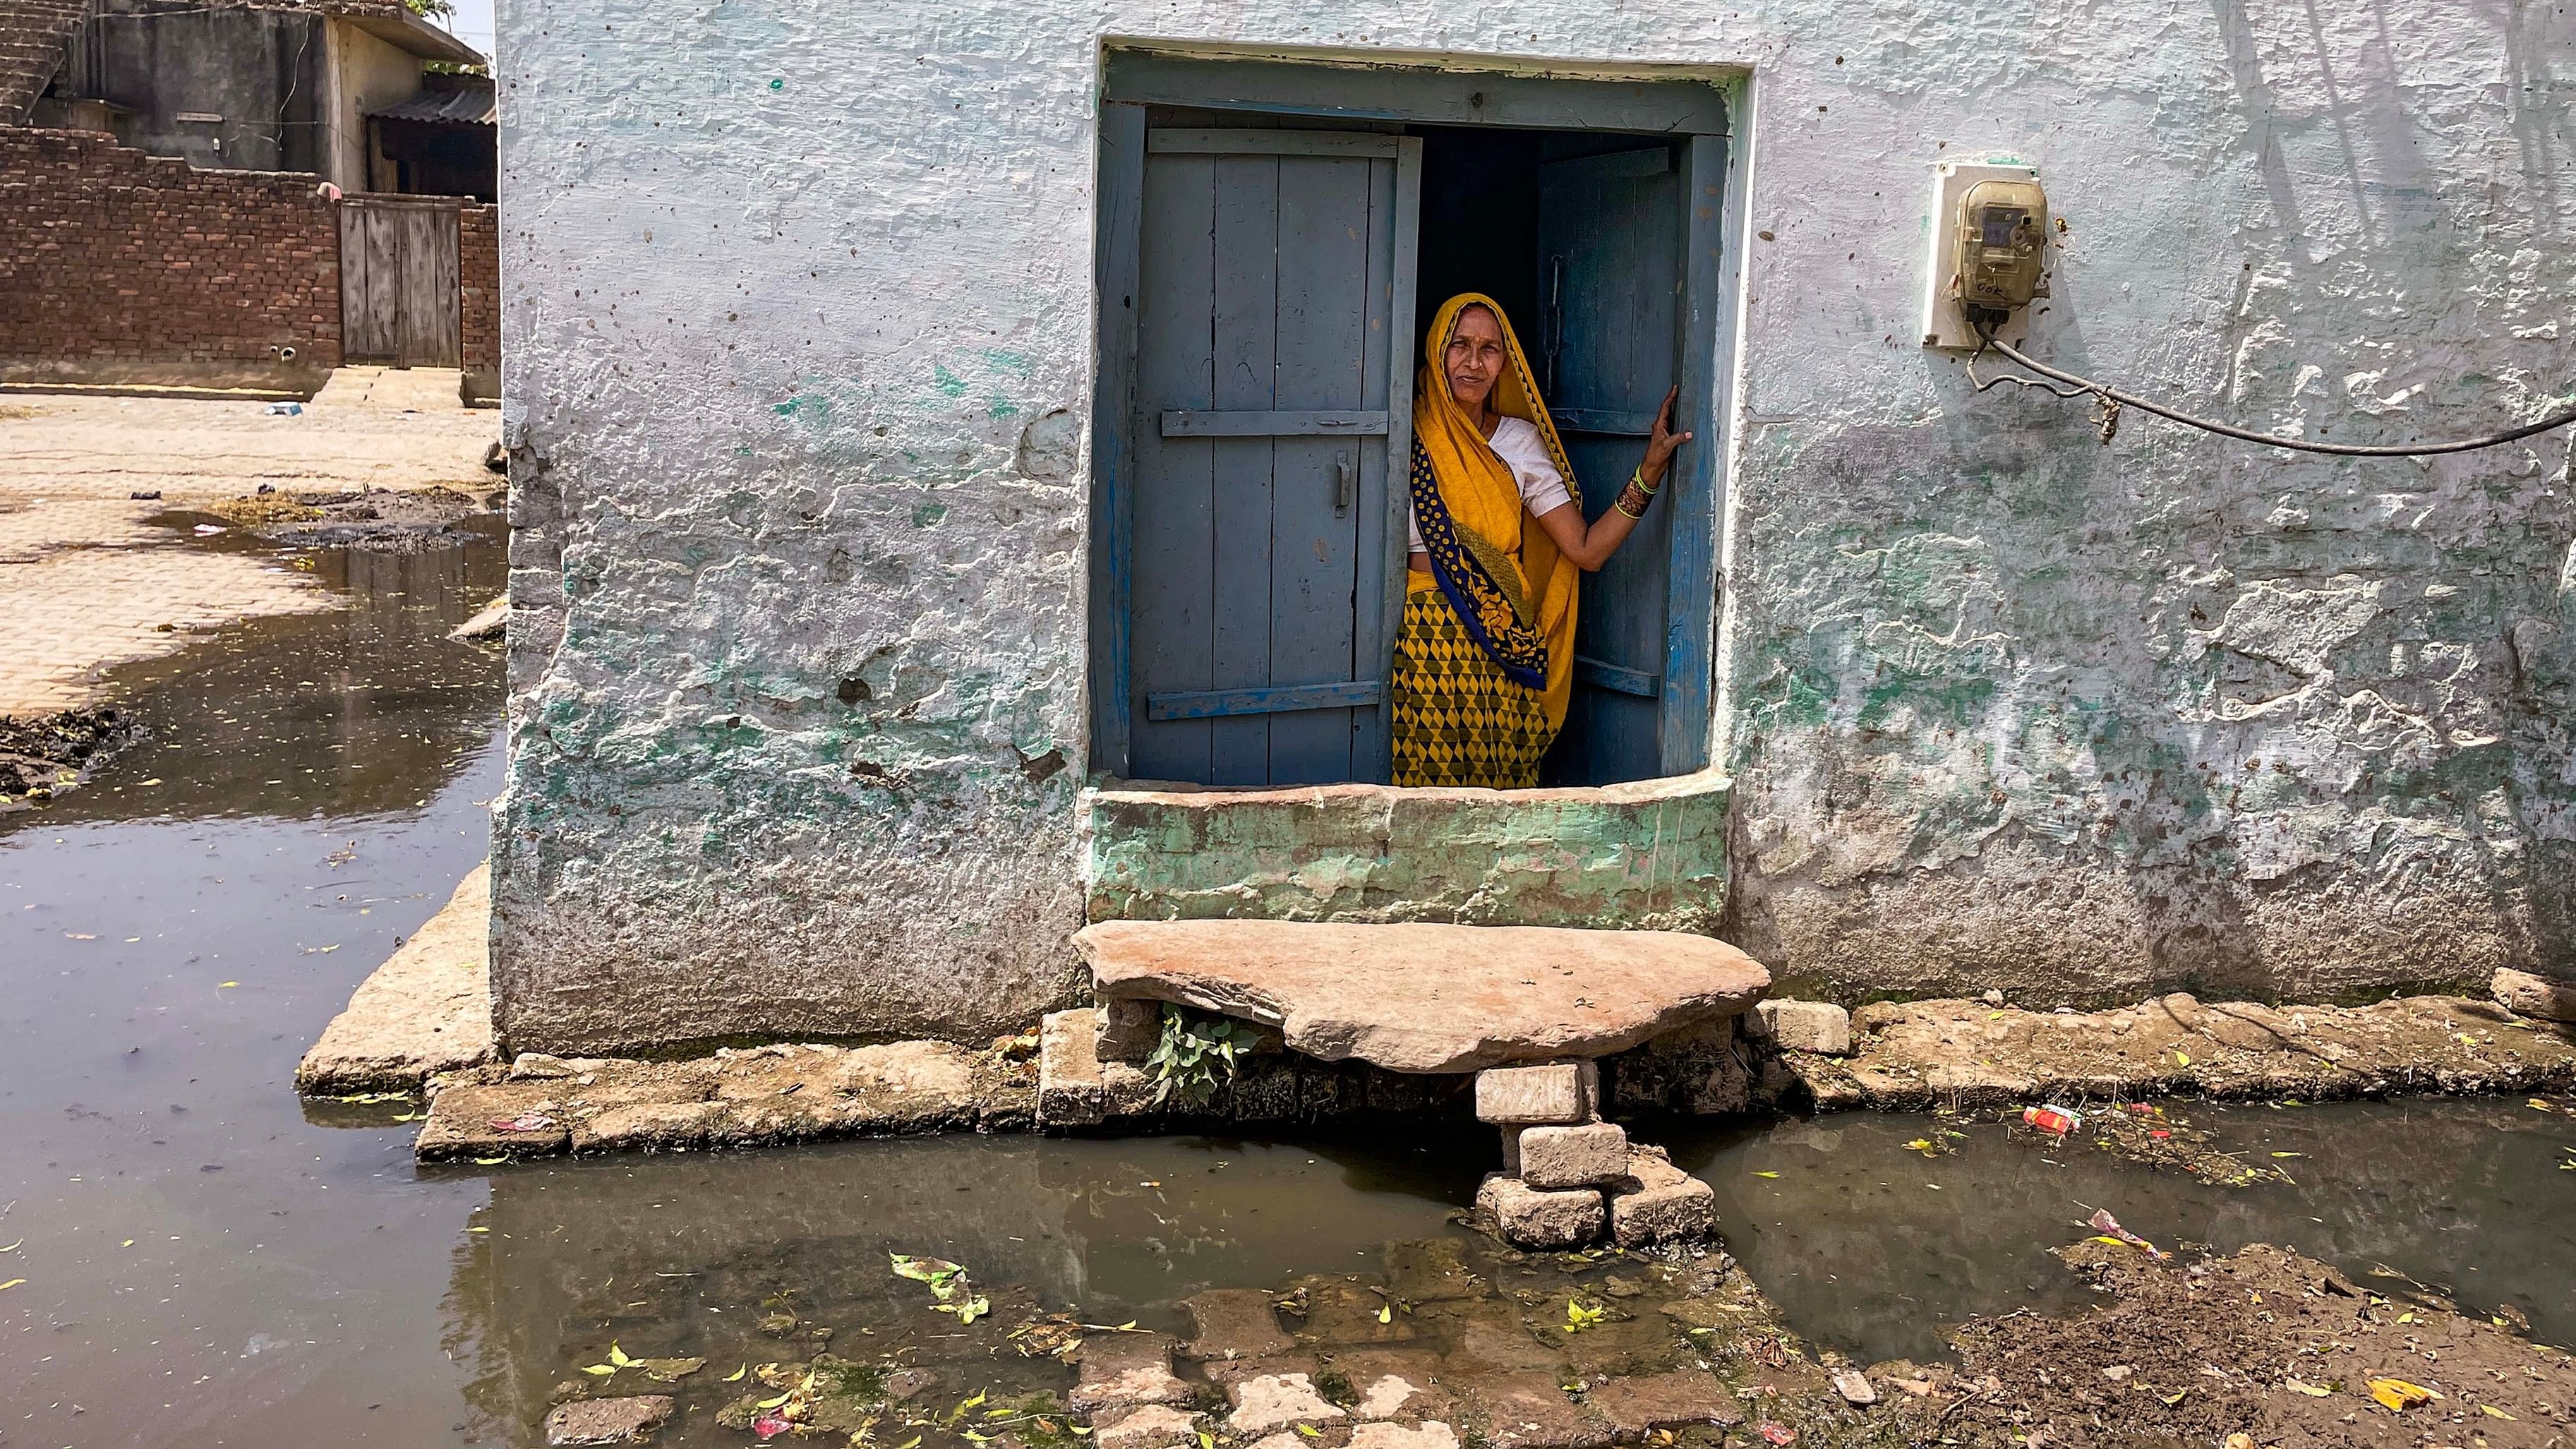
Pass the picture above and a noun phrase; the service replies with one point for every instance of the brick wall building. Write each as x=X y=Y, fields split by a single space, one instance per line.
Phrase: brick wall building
x=121 y=264
x=478 y=277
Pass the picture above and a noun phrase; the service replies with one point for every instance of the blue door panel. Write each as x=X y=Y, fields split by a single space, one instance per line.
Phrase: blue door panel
x=1610 y=238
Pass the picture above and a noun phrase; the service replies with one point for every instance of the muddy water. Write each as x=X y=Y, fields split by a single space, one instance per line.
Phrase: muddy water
x=207 y=1262
x=1867 y=1245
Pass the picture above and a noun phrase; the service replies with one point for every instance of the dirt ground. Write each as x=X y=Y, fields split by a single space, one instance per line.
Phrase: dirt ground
x=95 y=570
x=2265 y=1344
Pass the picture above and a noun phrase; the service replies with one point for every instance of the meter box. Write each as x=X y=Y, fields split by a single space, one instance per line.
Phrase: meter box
x=1988 y=248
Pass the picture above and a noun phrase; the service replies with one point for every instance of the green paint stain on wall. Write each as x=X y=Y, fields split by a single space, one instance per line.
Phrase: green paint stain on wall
x=929 y=514
x=778 y=83
x=948 y=383
x=1003 y=408
x=1015 y=363
x=1655 y=864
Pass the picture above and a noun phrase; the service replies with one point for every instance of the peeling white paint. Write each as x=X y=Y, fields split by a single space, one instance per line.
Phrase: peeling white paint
x=798 y=306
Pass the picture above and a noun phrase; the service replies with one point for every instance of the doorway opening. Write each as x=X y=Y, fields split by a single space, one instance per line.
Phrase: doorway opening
x=1275 y=239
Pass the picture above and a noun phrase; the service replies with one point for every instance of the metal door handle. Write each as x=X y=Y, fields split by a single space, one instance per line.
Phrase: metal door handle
x=1346 y=483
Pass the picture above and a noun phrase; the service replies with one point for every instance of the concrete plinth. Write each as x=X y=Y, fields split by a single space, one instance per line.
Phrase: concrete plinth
x=427 y=1010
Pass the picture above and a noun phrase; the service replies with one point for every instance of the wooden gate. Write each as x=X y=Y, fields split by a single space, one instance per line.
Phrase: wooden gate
x=1269 y=384
x=399 y=301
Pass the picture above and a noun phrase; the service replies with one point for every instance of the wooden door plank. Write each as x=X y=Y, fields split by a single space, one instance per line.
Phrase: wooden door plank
x=353 y=283
x=1322 y=363
x=1335 y=697
x=1113 y=458
x=1177 y=140
x=1246 y=336
x=1175 y=540
x=1374 y=754
x=1437 y=95
x=442 y=300
x=1608 y=225
x=1328 y=422
x=1692 y=494
x=366 y=326
x=384 y=279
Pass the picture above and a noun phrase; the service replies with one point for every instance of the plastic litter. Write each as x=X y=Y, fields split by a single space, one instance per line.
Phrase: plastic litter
x=2060 y=1120
x=2102 y=1222
x=285 y=410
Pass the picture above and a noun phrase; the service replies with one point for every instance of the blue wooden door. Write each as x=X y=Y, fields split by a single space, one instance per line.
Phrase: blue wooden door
x=1270 y=389
x=1611 y=232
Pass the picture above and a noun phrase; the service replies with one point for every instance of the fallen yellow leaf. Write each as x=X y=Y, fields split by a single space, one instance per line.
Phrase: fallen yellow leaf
x=2314 y=1391
x=736 y=1375
x=602 y=1369
x=12 y=1283
x=2182 y=1059
x=220 y=985
x=1766 y=1174
x=2396 y=1395
x=2492 y=1412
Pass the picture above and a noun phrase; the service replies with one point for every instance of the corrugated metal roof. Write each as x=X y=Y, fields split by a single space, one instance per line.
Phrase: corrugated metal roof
x=469 y=107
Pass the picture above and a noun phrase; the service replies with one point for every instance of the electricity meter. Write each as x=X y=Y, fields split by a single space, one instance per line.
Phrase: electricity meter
x=2002 y=227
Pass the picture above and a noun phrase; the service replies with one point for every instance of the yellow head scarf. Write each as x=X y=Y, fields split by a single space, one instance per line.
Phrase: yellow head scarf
x=1483 y=498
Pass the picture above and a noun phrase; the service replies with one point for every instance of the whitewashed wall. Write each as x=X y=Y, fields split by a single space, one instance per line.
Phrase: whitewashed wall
x=798 y=318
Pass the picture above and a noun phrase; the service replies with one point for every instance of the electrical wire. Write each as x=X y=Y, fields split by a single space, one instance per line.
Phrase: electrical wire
x=2111 y=400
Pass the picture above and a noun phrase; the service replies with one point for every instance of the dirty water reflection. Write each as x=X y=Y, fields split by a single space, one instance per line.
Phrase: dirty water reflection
x=199 y=1264
x=207 y=1262
x=685 y=1256
x=1868 y=1246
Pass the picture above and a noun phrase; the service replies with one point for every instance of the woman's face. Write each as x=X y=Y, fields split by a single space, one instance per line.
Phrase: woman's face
x=1474 y=358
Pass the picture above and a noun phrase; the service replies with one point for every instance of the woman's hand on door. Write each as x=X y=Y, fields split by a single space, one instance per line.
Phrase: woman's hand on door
x=1663 y=442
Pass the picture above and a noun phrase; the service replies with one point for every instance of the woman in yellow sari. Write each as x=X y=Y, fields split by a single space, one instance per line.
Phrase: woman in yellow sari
x=1484 y=662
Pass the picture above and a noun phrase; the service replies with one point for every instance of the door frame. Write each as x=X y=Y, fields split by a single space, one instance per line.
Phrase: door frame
x=1695 y=110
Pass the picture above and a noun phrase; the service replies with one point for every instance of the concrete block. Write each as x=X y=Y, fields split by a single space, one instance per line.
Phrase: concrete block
x=2524 y=994
x=1804 y=1026
x=1560 y=1157
x=1264 y=1402
x=1659 y=1203
x=1235 y=1323
x=1120 y=1370
x=1150 y=1426
x=1129 y=1029
x=1070 y=1093
x=427 y=1010
x=1127 y=1091
x=1558 y=1092
x=1530 y=1217
x=607 y=1421
x=1265 y=1090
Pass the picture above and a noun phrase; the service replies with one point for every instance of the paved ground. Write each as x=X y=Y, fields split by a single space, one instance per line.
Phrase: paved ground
x=87 y=580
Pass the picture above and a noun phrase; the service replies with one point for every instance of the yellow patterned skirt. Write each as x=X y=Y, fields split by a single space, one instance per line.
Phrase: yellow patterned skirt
x=1458 y=719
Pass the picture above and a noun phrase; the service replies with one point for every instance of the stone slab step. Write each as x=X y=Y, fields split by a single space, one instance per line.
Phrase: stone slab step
x=1429 y=998
x=427 y=1010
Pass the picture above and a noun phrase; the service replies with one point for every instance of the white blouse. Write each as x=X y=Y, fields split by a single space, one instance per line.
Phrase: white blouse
x=1517 y=442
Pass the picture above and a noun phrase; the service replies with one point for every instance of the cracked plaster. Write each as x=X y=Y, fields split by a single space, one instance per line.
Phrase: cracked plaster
x=798 y=305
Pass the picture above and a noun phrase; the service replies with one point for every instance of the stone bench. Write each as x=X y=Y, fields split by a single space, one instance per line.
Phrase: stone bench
x=1526 y=1008
x=1428 y=998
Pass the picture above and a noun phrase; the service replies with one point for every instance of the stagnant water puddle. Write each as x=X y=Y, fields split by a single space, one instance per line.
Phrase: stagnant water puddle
x=207 y=1261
